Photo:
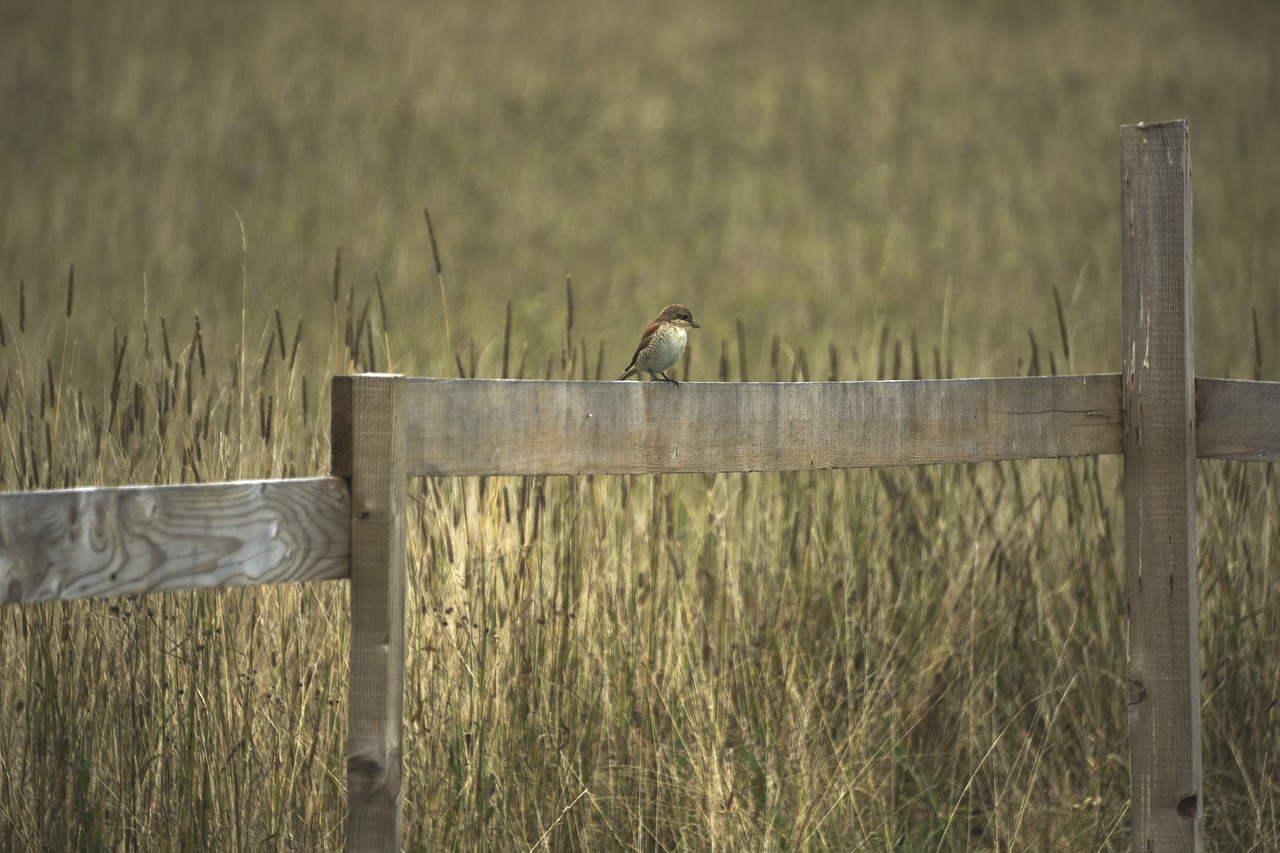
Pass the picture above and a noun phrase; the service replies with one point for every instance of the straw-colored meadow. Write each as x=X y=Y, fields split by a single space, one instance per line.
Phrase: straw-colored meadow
x=905 y=659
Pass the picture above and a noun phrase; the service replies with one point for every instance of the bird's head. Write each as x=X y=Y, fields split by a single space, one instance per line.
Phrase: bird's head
x=679 y=315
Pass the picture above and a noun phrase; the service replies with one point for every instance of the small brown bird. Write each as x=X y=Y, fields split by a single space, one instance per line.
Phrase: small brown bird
x=662 y=344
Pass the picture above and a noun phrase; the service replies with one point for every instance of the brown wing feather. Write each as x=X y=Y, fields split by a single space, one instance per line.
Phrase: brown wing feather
x=649 y=332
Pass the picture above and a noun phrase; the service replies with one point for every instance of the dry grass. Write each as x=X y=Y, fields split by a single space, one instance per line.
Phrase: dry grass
x=920 y=659
x=926 y=659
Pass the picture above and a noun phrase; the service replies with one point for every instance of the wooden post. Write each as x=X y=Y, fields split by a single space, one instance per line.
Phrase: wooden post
x=1158 y=413
x=368 y=423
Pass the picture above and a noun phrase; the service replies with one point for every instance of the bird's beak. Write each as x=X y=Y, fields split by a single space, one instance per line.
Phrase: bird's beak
x=694 y=324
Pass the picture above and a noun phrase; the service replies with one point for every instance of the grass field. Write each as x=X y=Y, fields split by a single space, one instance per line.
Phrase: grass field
x=924 y=659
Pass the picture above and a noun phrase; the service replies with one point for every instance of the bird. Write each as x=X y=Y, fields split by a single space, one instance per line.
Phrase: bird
x=662 y=344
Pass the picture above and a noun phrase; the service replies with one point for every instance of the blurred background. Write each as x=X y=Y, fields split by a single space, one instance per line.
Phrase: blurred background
x=822 y=170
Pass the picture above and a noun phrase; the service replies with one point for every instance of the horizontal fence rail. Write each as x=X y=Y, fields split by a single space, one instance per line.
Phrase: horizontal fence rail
x=1238 y=419
x=459 y=427
x=94 y=543
x=508 y=426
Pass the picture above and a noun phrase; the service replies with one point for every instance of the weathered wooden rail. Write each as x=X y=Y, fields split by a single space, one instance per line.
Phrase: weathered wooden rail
x=386 y=429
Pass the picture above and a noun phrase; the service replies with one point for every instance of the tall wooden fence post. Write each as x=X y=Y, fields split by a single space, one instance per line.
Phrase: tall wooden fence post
x=1158 y=410
x=369 y=447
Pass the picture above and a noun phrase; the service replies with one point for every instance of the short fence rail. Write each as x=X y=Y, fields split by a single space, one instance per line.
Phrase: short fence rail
x=88 y=543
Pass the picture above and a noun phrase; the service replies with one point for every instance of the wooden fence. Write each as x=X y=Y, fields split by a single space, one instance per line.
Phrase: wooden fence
x=386 y=429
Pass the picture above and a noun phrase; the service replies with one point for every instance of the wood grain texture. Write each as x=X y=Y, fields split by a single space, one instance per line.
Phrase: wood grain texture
x=482 y=426
x=92 y=543
x=1159 y=488
x=378 y=501
x=1238 y=419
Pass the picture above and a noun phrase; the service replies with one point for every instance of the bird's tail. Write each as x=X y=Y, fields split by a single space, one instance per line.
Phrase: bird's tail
x=631 y=370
